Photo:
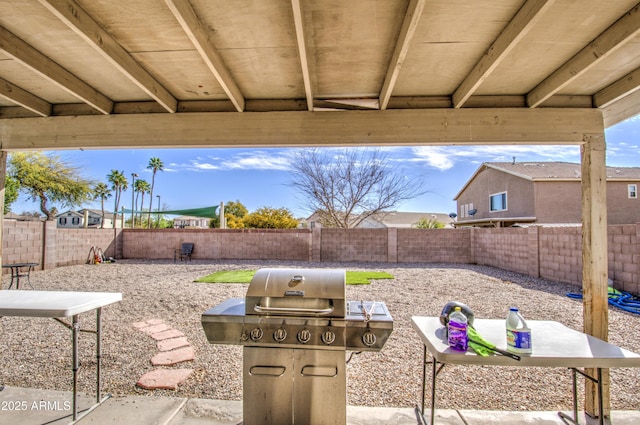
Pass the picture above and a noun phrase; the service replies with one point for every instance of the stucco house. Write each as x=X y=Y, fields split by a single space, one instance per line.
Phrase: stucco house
x=189 y=221
x=75 y=219
x=502 y=194
x=397 y=219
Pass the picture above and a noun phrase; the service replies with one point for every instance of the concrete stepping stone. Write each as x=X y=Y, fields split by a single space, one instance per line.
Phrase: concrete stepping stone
x=147 y=323
x=154 y=329
x=168 y=358
x=170 y=333
x=172 y=344
x=164 y=379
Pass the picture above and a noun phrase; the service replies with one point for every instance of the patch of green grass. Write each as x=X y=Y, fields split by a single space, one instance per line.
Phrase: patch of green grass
x=245 y=276
x=228 y=276
x=364 y=278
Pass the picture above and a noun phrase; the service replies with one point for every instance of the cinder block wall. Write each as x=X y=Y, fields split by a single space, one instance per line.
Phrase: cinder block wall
x=72 y=246
x=223 y=244
x=512 y=249
x=358 y=245
x=22 y=242
x=434 y=246
x=551 y=252
x=560 y=254
x=50 y=247
x=624 y=257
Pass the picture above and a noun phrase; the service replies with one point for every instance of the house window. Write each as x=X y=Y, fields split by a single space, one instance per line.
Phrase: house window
x=75 y=220
x=633 y=191
x=498 y=201
x=62 y=220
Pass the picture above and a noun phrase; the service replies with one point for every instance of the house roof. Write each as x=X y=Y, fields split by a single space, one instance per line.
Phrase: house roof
x=559 y=170
x=70 y=212
x=408 y=219
x=549 y=171
x=126 y=74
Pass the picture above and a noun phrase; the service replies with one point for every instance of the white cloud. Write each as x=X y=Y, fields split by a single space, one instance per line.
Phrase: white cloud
x=238 y=160
x=445 y=157
x=257 y=160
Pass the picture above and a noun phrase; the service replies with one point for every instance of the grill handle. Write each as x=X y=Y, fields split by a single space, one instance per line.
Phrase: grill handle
x=292 y=310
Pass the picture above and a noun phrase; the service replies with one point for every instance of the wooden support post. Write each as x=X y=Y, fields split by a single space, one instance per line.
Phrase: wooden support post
x=3 y=175
x=594 y=257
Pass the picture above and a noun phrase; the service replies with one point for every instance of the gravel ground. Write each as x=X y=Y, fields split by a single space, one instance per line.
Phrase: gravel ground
x=36 y=352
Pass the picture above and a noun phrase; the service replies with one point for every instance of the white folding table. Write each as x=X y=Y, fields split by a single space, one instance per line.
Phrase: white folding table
x=554 y=345
x=58 y=304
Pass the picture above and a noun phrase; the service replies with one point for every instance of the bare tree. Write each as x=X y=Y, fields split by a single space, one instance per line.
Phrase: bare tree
x=347 y=187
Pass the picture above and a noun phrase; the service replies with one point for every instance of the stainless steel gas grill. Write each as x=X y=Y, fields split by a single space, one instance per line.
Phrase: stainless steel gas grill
x=296 y=327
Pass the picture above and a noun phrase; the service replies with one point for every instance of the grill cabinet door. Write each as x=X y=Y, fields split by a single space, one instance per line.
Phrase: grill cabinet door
x=267 y=386
x=320 y=387
x=286 y=386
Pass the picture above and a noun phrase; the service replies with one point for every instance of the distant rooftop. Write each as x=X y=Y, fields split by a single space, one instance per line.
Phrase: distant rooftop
x=558 y=170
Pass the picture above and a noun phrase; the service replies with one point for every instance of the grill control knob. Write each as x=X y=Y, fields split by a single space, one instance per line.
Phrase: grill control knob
x=328 y=337
x=369 y=339
x=304 y=336
x=256 y=334
x=280 y=335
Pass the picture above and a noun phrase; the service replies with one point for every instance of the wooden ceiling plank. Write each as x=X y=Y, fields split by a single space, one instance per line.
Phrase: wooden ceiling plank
x=623 y=30
x=19 y=50
x=197 y=33
x=507 y=126
x=24 y=98
x=628 y=106
x=409 y=25
x=77 y=19
x=526 y=18
x=302 y=51
x=616 y=91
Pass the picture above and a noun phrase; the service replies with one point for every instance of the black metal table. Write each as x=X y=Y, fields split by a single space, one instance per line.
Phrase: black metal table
x=17 y=272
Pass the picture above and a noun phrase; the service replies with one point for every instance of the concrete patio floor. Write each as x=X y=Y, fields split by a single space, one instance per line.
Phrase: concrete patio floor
x=26 y=406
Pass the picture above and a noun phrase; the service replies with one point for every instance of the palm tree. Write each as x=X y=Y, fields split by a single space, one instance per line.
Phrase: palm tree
x=156 y=165
x=141 y=187
x=101 y=191
x=118 y=183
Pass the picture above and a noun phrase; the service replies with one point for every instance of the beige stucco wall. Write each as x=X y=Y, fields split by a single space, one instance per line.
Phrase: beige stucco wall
x=489 y=182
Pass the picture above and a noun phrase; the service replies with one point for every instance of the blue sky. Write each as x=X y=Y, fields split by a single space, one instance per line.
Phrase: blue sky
x=195 y=178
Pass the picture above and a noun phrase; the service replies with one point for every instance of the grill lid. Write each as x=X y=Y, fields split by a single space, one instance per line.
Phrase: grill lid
x=298 y=292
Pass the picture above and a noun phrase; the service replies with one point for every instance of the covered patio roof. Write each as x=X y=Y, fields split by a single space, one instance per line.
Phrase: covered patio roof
x=161 y=73
x=96 y=74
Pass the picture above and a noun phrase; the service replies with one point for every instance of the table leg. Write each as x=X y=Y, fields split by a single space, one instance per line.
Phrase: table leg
x=29 y=276
x=13 y=276
x=598 y=380
x=600 y=397
x=433 y=391
x=75 y=329
x=424 y=377
x=98 y=351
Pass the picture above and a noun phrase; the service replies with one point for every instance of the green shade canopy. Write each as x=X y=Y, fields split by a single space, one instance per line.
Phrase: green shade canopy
x=208 y=212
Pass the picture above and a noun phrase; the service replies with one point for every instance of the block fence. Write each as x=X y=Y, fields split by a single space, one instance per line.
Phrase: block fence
x=550 y=252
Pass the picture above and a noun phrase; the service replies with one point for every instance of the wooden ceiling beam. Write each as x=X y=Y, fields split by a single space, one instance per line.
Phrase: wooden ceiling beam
x=23 y=98
x=409 y=25
x=619 y=89
x=197 y=33
x=22 y=52
x=623 y=30
x=526 y=18
x=76 y=18
x=302 y=51
x=508 y=126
